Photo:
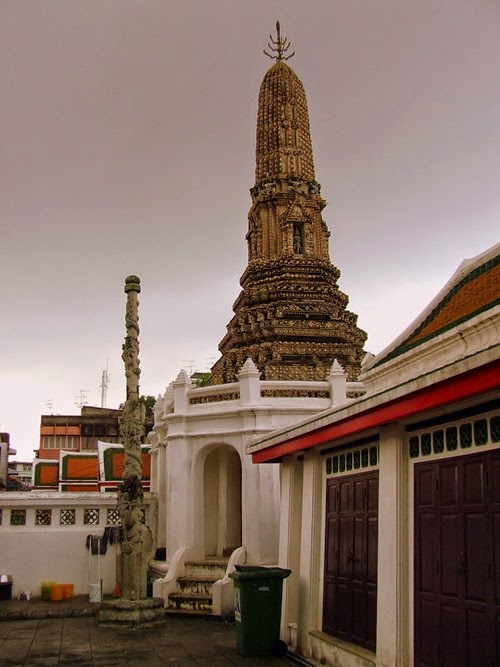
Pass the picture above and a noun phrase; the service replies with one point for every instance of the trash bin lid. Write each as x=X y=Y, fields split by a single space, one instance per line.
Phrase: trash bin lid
x=259 y=572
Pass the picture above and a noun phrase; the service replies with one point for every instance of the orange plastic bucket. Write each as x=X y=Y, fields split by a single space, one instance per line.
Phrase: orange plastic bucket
x=56 y=592
x=67 y=591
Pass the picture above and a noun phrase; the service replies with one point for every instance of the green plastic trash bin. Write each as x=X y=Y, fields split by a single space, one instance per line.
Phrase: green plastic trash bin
x=257 y=609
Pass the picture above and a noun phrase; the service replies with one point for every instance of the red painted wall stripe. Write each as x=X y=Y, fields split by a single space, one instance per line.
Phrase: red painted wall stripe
x=468 y=384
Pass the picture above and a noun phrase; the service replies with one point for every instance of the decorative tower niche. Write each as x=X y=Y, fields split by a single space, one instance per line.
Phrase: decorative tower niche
x=290 y=317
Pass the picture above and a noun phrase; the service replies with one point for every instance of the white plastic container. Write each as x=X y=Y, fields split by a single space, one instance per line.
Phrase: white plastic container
x=95 y=592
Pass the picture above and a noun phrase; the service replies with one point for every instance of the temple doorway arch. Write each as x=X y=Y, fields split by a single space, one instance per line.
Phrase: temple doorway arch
x=222 y=501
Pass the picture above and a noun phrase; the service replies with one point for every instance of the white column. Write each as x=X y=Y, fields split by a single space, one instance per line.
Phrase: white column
x=179 y=500
x=392 y=580
x=310 y=550
x=260 y=503
x=289 y=543
x=161 y=467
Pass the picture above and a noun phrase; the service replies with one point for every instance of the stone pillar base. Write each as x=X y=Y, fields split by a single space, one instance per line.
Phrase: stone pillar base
x=134 y=613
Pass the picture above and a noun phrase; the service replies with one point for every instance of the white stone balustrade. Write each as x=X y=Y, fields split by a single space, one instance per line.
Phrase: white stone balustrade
x=183 y=399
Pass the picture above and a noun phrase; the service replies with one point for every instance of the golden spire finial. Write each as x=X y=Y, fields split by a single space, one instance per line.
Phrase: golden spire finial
x=279 y=46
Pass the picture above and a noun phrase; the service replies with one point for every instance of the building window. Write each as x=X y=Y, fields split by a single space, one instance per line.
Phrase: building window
x=451 y=438
x=478 y=433
x=438 y=442
x=426 y=444
x=91 y=516
x=495 y=429
x=89 y=443
x=465 y=436
x=17 y=517
x=67 y=517
x=352 y=460
x=43 y=517
x=414 y=446
x=481 y=432
x=60 y=441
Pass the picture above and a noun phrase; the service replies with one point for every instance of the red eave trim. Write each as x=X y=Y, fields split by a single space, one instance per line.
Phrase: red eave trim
x=468 y=384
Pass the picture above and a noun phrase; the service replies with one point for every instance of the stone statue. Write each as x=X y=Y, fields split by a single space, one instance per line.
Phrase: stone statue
x=297 y=240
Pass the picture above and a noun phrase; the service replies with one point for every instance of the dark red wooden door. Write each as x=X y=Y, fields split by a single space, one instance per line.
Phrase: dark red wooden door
x=350 y=586
x=457 y=548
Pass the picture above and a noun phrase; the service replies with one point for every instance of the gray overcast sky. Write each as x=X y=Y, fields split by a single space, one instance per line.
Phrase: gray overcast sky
x=127 y=146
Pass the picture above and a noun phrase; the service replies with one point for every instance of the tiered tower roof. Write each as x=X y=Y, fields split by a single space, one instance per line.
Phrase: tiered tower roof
x=290 y=317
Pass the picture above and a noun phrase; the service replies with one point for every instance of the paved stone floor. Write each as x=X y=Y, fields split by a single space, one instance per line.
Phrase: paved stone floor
x=178 y=642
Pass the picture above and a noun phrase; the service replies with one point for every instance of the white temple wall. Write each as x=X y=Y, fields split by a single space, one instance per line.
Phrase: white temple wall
x=61 y=557
x=190 y=424
x=43 y=538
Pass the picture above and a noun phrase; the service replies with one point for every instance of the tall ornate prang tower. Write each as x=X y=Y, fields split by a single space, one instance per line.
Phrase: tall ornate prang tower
x=290 y=316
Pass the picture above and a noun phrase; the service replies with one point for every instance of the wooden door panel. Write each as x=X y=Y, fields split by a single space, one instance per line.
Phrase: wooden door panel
x=452 y=645
x=425 y=487
x=449 y=565
x=358 y=563
x=331 y=564
x=494 y=564
x=371 y=615
x=494 y=478
x=478 y=638
x=449 y=485
x=428 y=614
x=372 y=550
x=359 y=488
x=473 y=482
x=497 y=634
x=329 y=594
x=426 y=550
x=359 y=621
x=372 y=493
x=457 y=534
x=345 y=496
x=331 y=497
x=350 y=590
x=343 y=605
x=344 y=546
x=474 y=564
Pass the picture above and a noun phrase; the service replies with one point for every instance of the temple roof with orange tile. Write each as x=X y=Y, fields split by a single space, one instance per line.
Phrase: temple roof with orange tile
x=473 y=289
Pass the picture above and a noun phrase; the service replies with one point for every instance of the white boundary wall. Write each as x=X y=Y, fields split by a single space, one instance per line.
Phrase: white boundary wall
x=33 y=552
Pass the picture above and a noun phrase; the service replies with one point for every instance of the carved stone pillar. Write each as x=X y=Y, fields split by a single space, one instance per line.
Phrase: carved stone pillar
x=137 y=542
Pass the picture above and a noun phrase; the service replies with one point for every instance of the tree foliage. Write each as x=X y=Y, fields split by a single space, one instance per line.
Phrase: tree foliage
x=200 y=379
x=147 y=401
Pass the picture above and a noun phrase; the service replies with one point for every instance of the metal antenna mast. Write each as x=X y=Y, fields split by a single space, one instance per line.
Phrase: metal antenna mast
x=190 y=362
x=82 y=398
x=104 y=387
